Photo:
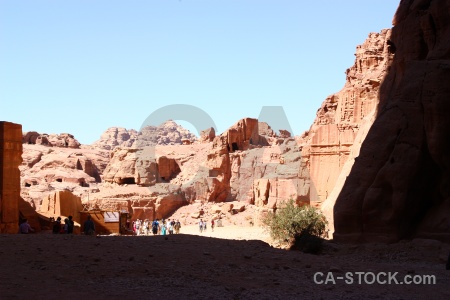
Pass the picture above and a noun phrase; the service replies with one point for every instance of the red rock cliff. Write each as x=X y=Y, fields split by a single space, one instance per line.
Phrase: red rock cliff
x=328 y=142
x=399 y=185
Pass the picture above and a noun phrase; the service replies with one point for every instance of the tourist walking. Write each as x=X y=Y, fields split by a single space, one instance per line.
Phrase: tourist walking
x=70 y=225
x=163 y=228
x=89 y=226
x=57 y=226
x=25 y=228
x=66 y=226
x=177 y=226
x=155 y=227
x=200 y=225
x=170 y=225
x=138 y=227
x=212 y=225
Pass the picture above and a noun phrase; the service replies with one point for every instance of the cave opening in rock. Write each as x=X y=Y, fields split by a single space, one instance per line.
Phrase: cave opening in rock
x=59 y=179
x=27 y=184
x=128 y=180
x=234 y=146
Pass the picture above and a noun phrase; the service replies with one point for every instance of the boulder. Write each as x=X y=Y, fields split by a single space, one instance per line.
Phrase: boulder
x=30 y=137
x=207 y=135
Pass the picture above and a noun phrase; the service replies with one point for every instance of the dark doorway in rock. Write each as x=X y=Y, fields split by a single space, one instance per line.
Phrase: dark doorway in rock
x=234 y=146
x=128 y=180
x=59 y=179
x=27 y=184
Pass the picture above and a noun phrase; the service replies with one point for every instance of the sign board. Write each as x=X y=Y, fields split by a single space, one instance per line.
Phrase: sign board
x=111 y=217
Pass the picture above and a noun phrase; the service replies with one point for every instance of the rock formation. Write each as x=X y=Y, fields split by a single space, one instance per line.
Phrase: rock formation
x=264 y=129
x=10 y=159
x=243 y=166
x=46 y=169
x=399 y=184
x=241 y=135
x=61 y=204
x=168 y=133
x=63 y=140
x=207 y=135
x=328 y=142
x=116 y=137
x=139 y=166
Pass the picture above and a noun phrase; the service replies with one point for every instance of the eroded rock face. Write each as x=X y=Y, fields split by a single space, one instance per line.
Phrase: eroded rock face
x=63 y=140
x=139 y=166
x=30 y=137
x=329 y=140
x=207 y=135
x=242 y=134
x=240 y=168
x=399 y=185
x=45 y=169
x=168 y=133
x=269 y=175
x=116 y=137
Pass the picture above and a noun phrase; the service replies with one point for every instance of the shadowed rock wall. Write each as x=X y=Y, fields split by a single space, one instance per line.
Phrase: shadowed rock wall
x=399 y=186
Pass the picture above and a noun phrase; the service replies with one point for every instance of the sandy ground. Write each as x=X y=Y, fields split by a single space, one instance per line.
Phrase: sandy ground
x=229 y=232
x=207 y=266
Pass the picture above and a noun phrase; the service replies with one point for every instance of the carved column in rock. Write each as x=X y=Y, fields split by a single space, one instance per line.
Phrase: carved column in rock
x=10 y=159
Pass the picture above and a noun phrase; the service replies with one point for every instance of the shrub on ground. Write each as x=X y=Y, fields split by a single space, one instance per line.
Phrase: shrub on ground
x=300 y=227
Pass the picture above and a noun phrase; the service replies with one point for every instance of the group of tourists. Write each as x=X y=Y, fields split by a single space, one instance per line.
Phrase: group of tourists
x=202 y=225
x=58 y=228
x=66 y=228
x=163 y=227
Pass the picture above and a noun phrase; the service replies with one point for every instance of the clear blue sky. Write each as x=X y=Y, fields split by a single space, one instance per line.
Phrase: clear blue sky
x=82 y=66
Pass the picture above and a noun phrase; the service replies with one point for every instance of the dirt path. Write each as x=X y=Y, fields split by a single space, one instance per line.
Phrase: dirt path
x=231 y=232
x=46 y=266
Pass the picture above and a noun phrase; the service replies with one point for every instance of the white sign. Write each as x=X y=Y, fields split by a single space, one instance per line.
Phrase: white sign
x=111 y=217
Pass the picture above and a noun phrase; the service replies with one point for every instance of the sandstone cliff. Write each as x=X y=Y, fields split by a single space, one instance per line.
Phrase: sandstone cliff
x=398 y=187
x=328 y=143
x=251 y=165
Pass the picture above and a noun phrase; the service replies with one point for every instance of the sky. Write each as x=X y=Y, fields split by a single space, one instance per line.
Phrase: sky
x=83 y=66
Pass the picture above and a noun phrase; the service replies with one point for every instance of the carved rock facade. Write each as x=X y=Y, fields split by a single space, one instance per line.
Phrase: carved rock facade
x=329 y=140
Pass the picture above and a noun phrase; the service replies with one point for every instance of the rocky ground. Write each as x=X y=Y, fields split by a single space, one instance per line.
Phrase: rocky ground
x=46 y=266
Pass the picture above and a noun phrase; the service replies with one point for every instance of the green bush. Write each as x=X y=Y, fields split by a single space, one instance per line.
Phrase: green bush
x=298 y=226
